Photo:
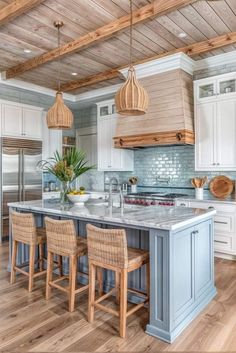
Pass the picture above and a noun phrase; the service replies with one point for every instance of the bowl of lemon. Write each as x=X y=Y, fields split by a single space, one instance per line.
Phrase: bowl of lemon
x=78 y=197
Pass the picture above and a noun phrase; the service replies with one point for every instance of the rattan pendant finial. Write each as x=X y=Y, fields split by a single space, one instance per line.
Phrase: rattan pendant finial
x=59 y=115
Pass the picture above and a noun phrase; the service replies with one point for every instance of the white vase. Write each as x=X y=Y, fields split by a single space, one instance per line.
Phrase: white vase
x=199 y=193
x=133 y=189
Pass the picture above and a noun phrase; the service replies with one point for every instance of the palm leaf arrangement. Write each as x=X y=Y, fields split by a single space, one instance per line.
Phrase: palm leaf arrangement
x=69 y=166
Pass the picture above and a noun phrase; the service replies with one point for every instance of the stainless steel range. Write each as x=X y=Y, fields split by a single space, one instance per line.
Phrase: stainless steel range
x=152 y=198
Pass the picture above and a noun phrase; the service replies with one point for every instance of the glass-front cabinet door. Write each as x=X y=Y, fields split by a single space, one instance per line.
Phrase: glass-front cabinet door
x=207 y=90
x=227 y=87
x=104 y=111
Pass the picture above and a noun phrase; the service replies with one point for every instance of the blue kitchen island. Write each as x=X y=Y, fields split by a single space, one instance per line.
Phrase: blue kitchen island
x=180 y=241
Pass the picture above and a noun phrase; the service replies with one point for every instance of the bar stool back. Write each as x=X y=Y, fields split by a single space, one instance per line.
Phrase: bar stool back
x=62 y=240
x=24 y=231
x=107 y=248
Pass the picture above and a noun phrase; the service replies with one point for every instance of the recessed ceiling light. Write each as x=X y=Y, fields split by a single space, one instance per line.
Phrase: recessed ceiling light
x=27 y=51
x=74 y=73
x=182 y=35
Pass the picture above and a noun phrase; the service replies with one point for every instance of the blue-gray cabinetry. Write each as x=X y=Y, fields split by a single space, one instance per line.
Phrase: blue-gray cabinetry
x=181 y=276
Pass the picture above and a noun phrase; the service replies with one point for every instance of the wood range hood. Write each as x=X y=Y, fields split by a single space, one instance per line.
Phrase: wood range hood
x=169 y=120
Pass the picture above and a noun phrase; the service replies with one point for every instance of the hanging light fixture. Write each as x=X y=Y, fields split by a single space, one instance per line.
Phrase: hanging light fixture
x=132 y=98
x=59 y=115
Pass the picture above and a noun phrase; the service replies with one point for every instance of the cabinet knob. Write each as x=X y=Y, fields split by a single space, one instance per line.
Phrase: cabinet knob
x=179 y=136
x=213 y=163
x=218 y=163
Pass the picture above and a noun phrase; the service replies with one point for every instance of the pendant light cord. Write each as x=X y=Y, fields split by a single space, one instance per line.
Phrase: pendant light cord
x=131 y=34
x=59 y=63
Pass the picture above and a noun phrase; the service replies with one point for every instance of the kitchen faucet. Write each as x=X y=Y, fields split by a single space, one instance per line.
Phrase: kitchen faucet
x=110 y=199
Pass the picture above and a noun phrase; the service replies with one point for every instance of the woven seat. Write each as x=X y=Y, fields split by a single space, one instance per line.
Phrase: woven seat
x=41 y=235
x=24 y=231
x=62 y=240
x=107 y=248
x=137 y=256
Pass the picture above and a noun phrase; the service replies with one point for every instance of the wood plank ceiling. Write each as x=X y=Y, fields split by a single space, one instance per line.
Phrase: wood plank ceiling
x=34 y=30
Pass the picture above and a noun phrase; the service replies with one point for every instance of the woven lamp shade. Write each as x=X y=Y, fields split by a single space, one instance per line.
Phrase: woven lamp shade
x=59 y=115
x=132 y=98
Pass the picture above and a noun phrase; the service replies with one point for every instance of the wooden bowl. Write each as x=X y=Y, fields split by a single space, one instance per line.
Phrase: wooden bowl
x=221 y=186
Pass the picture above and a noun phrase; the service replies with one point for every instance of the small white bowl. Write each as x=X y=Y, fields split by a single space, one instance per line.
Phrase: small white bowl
x=79 y=199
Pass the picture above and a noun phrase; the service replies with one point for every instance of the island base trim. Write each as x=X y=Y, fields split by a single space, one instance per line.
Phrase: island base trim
x=168 y=336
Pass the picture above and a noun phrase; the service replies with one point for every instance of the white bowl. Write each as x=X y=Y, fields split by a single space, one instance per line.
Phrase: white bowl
x=78 y=199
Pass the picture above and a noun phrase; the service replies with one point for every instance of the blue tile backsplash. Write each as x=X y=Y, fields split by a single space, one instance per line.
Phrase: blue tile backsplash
x=175 y=163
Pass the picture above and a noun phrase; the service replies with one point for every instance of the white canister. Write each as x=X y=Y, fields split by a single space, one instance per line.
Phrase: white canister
x=133 y=189
x=199 y=193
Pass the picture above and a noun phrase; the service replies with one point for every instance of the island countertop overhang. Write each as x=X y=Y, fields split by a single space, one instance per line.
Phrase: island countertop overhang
x=155 y=217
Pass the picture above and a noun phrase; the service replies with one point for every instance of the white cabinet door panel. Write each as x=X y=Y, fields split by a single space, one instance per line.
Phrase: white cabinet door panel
x=11 y=120
x=104 y=144
x=226 y=134
x=116 y=153
x=32 y=123
x=205 y=124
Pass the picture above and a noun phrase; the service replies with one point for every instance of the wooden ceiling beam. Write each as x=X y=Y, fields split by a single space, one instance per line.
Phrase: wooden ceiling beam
x=156 y=8
x=190 y=50
x=16 y=8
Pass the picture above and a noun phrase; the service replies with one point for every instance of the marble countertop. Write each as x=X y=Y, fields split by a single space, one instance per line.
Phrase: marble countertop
x=208 y=197
x=158 y=217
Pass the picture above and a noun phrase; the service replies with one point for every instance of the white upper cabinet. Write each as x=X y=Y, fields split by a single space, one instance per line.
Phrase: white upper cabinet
x=52 y=140
x=11 y=117
x=215 y=88
x=204 y=128
x=226 y=134
x=32 y=123
x=22 y=121
x=110 y=158
x=215 y=124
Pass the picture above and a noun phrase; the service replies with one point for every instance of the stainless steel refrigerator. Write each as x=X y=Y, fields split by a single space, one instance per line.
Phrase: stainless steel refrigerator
x=21 y=175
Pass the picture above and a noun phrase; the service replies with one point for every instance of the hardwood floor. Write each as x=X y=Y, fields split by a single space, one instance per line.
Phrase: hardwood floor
x=30 y=324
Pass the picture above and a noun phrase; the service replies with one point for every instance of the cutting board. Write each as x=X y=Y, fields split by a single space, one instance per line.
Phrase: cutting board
x=221 y=186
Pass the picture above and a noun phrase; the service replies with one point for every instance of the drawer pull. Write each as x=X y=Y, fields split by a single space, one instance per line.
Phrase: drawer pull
x=211 y=207
x=182 y=204
x=220 y=222
x=220 y=241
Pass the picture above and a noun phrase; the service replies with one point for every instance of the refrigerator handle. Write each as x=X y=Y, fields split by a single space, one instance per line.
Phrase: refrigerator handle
x=20 y=176
x=23 y=174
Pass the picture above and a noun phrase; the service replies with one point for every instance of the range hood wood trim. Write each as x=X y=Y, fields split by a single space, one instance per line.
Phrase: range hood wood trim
x=178 y=137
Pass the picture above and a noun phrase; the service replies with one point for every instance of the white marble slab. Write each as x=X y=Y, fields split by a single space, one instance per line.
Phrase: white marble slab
x=207 y=197
x=158 y=217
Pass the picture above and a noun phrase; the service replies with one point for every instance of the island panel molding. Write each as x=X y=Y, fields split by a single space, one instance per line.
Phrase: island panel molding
x=157 y=7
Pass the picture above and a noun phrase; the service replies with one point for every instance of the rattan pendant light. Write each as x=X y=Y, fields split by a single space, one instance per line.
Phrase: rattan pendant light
x=132 y=98
x=59 y=115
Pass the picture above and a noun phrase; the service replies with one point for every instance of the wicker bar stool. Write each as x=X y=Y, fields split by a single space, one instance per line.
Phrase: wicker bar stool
x=24 y=231
x=107 y=248
x=62 y=240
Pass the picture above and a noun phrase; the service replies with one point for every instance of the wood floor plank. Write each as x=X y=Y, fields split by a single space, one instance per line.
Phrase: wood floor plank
x=30 y=324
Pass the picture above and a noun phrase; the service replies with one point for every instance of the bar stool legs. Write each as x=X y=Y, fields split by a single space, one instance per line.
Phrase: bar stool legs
x=92 y=283
x=72 y=282
x=31 y=274
x=123 y=302
x=13 y=262
x=31 y=267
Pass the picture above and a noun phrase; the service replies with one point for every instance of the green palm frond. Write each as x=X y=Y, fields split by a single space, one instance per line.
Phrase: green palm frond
x=69 y=166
